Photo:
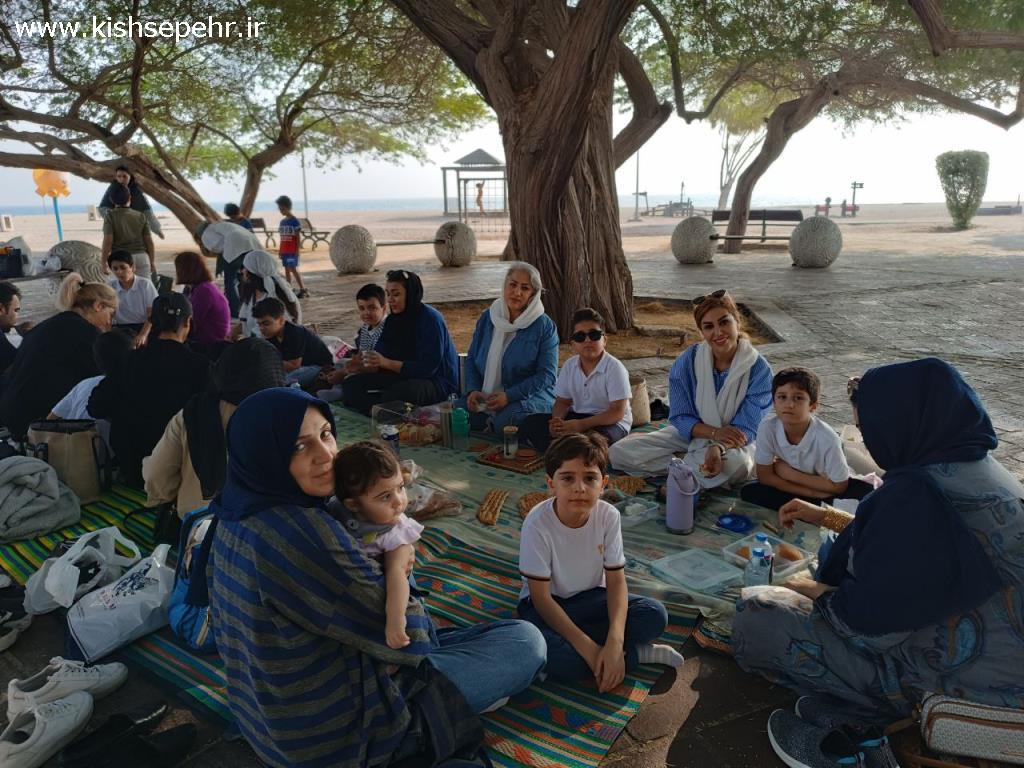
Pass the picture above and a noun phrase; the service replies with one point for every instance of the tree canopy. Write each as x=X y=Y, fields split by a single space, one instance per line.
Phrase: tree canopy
x=343 y=78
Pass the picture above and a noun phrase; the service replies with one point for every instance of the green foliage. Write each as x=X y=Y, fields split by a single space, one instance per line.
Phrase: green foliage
x=963 y=176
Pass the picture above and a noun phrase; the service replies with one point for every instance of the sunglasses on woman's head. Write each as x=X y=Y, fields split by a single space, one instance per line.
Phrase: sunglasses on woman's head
x=397 y=275
x=580 y=336
x=716 y=295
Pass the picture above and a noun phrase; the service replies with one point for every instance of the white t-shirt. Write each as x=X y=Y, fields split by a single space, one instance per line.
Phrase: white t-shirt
x=573 y=559
x=819 y=452
x=133 y=305
x=75 y=404
x=230 y=240
x=609 y=381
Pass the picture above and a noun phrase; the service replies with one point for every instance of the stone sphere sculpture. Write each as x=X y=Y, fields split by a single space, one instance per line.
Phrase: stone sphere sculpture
x=81 y=257
x=691 y=241
x=815 y=242
x=455 y=244
x=353 y=251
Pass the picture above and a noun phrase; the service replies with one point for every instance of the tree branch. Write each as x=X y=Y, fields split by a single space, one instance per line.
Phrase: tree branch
x=959 y=104
x=648 y=115
x=942 y=36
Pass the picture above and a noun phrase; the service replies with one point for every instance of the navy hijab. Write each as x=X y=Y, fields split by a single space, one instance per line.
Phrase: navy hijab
x=915 y=562
x=261 y=439
x=398 y=339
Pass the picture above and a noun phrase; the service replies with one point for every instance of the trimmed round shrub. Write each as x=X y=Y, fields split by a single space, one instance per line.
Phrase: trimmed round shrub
x=815 y=242
x=81 y=257
x=691 y=241
x=964 y=176
x=455 y=244
x=353 y=251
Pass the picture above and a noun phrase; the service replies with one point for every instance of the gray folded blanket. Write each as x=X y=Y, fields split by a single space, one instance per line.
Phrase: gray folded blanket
x=33 y=501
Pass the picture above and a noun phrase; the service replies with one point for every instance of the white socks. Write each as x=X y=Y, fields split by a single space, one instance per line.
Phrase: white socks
x=657 y=653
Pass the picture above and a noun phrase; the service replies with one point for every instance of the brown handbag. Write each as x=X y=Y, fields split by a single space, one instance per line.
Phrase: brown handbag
x=74 y=448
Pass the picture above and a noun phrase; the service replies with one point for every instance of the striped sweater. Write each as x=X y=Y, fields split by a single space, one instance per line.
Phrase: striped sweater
x=298 y=616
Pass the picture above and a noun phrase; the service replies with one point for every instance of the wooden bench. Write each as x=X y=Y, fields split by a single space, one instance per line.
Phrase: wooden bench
x=773 y=216
x=309 y=232
x=259 y=227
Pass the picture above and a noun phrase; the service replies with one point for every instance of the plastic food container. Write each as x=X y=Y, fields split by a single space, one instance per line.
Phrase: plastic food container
x=784 y=567
x=634 y=510
x=698 y=570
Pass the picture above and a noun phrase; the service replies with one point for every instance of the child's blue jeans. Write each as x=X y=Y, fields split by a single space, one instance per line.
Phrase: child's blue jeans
x=646 y=619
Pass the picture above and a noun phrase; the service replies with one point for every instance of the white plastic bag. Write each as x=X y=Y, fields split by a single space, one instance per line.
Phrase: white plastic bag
x=58 y=584
x=115 y=615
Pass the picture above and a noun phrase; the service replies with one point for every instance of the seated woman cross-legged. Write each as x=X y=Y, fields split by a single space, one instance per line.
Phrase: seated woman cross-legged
x=298 y=610
x=922 y=591
x=513 y=357
x=591 y=393
x=719 y=391
x=414 y=360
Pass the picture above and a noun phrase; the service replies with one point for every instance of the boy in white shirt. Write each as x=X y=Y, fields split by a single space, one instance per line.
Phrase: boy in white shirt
x=574 y=580
x=592 y=390
x=798 y=455
x=135 y=296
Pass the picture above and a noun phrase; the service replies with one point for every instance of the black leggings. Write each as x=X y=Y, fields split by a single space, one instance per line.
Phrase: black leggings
x=765 y=496
x=365 y=390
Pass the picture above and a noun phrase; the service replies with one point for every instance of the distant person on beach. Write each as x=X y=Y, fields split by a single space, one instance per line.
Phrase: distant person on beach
x=290 y=231
x=234 y=214
x=229 y=243
x=303 y=353
x=10 y=305
x=415 y=360
x=123 y=177
x=719 y=391
x=371 y=301
x=125 y=229
x=480 y=198
x=135 y=295
x=513 y=357
x=211 y=315
x=260 y=278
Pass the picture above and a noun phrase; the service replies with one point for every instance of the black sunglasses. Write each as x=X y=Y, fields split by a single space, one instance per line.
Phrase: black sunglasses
x=397 y=276
x=580 y=336
x=716 y=295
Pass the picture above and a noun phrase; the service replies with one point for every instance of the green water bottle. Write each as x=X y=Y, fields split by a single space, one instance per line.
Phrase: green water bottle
x=460 y=429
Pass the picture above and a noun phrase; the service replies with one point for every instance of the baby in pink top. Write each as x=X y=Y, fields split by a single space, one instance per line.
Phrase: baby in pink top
x=371 y=503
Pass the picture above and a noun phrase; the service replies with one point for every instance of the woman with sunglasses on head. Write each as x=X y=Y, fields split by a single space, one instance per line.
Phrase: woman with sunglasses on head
x=414 y=360
x=513 y=357
x=719 y=391
x=591 y=393
x=923 y=591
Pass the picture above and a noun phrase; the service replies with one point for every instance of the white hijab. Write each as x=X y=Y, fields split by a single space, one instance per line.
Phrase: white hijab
x=504 y=332
x=263 y=267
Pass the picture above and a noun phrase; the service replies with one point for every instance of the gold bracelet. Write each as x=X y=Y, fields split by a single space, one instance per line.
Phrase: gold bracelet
x=835 y=519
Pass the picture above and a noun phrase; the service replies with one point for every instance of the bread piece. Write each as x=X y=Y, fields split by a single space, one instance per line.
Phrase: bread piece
x=787 y=552
x=530 y=500
x=490 y=508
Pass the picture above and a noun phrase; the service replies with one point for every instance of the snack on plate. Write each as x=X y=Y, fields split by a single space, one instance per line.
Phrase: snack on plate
x=490 y=508
x=787 y=552
x=744 y=552
x=630 y=486
x=526 y=454
x=530 y=500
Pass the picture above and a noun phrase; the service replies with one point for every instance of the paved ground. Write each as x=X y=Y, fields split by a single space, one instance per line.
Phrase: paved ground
x=871 y=307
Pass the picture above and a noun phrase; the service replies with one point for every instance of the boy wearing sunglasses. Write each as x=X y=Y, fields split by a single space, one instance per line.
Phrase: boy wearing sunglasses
x=592 y=391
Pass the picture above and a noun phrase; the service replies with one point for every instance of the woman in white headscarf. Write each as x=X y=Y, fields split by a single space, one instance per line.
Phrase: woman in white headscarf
x=513 y=358
x=259 y=279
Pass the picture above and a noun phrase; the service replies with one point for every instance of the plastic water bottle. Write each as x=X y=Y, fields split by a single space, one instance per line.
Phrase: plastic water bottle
x=460 y=429
x=756 y=571
x=681 y=497
x=764 y=544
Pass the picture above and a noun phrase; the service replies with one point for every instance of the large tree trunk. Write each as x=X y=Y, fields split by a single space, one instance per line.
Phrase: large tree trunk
x=787 y=118
x=569 y=227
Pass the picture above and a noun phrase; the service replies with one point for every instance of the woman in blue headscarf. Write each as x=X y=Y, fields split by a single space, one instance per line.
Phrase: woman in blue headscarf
x=298 y=614
x=924 y=590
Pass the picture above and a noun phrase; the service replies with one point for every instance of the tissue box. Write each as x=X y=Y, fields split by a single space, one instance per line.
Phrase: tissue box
x=416 y=425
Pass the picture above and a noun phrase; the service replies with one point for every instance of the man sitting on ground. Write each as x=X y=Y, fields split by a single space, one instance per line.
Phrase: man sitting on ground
x=303 y=352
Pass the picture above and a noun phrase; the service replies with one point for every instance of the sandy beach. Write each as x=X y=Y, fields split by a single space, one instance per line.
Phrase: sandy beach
x=904 y=229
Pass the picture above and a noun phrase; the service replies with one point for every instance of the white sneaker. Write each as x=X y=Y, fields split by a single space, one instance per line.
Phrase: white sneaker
x=59 y=679
x=12 y=625
x=35 y=736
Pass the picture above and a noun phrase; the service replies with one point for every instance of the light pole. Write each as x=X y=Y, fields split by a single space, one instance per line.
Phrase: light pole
x=636 y=193
x=305 y=194
x=853 y=205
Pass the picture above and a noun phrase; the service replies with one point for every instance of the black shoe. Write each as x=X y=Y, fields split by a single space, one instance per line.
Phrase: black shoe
x=93 y=749
x=303 y=294
x=659 y=410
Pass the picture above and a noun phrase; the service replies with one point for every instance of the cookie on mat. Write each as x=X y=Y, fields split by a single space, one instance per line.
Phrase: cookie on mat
x=490 y=508
x=530 y=500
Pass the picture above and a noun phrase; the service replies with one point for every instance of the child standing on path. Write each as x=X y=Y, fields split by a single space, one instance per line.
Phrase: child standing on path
x=798 y=455
x=574 y=579
x=290 y=231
